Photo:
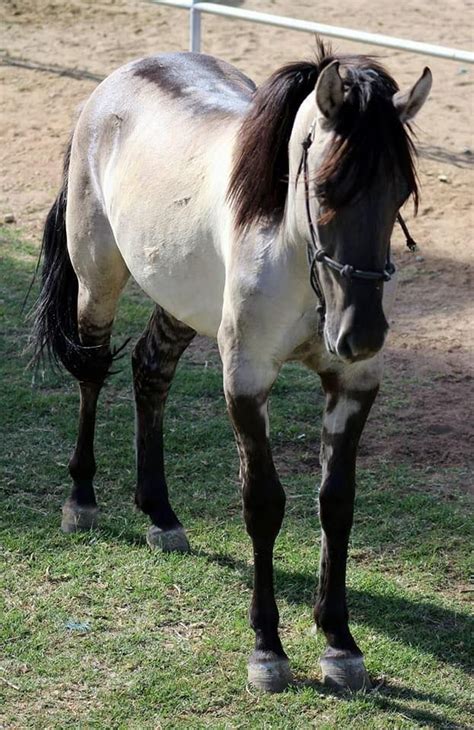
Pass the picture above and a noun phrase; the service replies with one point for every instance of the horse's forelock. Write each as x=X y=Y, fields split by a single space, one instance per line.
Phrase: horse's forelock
x=369 y=136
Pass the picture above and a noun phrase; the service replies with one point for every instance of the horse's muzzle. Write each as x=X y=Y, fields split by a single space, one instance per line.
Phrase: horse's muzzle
x=357 y=340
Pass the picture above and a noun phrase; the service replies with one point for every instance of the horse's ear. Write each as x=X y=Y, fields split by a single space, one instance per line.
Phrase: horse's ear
x=409 y=103
x=330 y=91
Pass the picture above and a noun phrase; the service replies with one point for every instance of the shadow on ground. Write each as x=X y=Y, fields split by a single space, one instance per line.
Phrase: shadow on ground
x=441 y=154
x=444 y=633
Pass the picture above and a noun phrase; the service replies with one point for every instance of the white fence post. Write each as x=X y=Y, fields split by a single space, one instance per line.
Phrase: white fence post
x=194 y=28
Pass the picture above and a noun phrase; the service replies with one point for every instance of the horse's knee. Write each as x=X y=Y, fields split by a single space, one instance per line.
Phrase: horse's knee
x=249 y=417
x=336 y=490
x=140 y=364
x=96 y=307
x=336 y=502
x=262 y=494
x=264 y=508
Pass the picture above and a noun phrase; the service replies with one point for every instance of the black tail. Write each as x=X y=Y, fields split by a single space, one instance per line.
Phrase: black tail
x=55 y=332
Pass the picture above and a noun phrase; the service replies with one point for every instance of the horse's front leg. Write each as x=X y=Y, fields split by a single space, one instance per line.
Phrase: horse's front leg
x=246 y=388
x=348 y=403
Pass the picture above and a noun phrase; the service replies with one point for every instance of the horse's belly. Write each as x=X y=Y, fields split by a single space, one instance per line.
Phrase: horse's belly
x=190 y=290
x=182 y=273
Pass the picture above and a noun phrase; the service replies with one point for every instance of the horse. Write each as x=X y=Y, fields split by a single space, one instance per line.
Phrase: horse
x=261 y=217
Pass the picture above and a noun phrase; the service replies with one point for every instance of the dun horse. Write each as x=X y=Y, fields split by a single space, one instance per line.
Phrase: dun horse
x=258 y=216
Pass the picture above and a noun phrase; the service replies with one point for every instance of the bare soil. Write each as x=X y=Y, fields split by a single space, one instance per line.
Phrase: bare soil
x=425 y=414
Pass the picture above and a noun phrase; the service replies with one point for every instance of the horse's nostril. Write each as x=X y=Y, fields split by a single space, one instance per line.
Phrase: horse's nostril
x=352 y=347
x=343 y=347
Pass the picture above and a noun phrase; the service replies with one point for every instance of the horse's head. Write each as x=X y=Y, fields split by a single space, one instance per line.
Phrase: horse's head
x=359 y=170
x=347 y=187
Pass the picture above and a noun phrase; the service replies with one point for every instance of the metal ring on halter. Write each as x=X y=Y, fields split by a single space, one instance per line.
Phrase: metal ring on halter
x=320 y=255
x=347 y=271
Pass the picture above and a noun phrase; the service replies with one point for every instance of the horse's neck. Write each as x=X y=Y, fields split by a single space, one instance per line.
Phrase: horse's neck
x=296 y=224
x=284 y=241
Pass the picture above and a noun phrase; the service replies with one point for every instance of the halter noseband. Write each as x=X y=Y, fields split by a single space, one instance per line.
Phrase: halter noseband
x=317 y=255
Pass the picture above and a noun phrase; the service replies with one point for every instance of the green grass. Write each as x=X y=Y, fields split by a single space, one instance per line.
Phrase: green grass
x=162 y=641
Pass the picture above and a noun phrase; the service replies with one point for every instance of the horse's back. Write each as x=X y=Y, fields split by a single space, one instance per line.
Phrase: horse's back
x=152 y=151
x=204 y=85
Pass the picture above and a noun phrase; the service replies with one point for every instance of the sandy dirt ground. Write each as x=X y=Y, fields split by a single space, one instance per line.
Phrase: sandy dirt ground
x=430 y=350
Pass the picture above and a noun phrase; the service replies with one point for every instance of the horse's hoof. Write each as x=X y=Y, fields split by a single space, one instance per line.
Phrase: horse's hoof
x=269 y=672
x=343 y=671
x=168 y=541
x=78 y=517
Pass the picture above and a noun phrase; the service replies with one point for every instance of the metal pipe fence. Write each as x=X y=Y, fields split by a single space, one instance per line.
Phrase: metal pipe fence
x=196 y=8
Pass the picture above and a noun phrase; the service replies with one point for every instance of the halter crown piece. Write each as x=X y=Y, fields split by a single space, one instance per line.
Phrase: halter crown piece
x=317 y=255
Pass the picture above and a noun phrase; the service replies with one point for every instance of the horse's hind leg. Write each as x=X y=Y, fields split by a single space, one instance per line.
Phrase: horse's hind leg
x=154 y=362
x=80 y=509
x=101 y=275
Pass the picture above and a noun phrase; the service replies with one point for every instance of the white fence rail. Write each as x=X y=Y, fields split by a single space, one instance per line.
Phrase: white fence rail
x=375 y=39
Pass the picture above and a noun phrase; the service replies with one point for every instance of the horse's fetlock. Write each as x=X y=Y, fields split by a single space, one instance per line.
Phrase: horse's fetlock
x=82 y=467
x=331 y=617
x=263 y=616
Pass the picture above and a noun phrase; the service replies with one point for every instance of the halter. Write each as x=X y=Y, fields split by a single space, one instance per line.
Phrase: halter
x=317 y=255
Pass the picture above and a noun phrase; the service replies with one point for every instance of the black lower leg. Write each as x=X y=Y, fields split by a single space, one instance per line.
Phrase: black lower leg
x=154 y=361
x=89 y=362
x=263 y=614
x=263 y=506
x=82 y=464
x=92 y=360
x=344 y=419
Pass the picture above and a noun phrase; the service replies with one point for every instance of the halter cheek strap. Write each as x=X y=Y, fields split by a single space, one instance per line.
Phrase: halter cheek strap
x=317 y=255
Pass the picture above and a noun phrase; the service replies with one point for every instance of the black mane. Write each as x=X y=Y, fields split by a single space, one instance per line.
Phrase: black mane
x=368 y=134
